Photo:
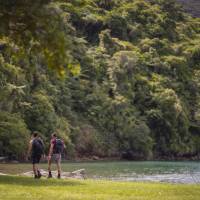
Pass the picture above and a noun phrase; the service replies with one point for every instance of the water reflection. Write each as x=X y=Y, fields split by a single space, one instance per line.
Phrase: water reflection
x=172 y=172
x=170 y=178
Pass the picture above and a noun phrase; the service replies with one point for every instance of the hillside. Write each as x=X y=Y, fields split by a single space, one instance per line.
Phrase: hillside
x=113 y=78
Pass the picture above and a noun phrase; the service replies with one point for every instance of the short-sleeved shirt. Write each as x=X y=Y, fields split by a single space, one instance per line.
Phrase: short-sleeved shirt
x=53 y=141
x=31 y=143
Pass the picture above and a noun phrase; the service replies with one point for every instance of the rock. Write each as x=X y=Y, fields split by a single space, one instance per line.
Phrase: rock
x=95 y=158
x=14 y=161
x=2 y=174
x=78 y=174
x=2 y=159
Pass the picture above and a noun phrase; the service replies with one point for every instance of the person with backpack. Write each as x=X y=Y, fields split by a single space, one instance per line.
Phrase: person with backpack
x=55 y=151
x=36 y=150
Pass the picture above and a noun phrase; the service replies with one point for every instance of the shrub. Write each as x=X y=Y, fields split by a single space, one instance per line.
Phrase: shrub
x=14 y=136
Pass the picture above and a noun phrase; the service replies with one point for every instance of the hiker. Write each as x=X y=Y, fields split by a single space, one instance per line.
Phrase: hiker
x=36 y=150
x=55 y=151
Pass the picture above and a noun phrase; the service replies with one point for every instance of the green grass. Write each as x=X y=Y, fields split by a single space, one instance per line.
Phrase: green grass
x=21 y=188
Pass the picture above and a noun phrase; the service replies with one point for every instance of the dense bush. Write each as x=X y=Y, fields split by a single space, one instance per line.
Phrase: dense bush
x=113 y=78
x=14 y=136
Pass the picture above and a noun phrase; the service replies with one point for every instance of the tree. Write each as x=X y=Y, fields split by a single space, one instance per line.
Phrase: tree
x=14 y=136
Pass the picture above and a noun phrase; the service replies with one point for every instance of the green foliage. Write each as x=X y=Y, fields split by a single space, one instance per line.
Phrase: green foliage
x=41 y=115
x=111 y=77
x=14 y=136
x=194 y=56
x=173 y=136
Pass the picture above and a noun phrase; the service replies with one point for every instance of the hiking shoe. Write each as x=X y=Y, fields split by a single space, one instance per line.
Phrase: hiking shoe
x=50 y=175
x=39 y=174
x=35 y=176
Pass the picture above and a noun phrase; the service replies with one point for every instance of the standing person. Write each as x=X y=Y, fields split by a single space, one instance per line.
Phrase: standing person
x=36 y=150
x=55 y=151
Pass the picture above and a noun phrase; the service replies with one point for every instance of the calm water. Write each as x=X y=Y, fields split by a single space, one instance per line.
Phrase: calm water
x=173 y=172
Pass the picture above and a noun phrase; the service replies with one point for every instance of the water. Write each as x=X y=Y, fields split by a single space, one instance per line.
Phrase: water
x=153 y=171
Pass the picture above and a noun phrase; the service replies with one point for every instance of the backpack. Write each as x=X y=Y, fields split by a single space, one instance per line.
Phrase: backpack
x=58 y=146
x=37 y=147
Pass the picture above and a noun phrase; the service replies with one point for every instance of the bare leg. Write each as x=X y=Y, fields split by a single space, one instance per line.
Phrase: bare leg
x=35 y=169
x=38 y=172
x=58 y=163
x=49 y=168
x=49 y=165
x=58 y=167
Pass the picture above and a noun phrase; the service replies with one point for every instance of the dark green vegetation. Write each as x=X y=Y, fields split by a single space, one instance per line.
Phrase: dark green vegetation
x=114 y=78
x=191 y=6
x=28 y=188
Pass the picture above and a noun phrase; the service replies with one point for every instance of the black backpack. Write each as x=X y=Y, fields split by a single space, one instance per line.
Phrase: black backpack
x=37 y=147
x=58 y=146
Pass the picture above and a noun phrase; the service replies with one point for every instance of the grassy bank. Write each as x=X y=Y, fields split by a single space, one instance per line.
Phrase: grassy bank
x=22 y=188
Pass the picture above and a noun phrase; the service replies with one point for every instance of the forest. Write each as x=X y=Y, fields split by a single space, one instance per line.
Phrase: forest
x=191 y=6
x=114 y=78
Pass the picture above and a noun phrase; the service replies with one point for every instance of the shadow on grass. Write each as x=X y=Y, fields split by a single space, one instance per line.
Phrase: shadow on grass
x=27 y=181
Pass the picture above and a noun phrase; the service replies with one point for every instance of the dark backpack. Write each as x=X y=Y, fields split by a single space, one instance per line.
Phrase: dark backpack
x=37 y=147
x=58 y=146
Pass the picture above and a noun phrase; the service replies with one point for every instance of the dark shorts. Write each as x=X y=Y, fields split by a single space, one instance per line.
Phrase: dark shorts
x=35 y=159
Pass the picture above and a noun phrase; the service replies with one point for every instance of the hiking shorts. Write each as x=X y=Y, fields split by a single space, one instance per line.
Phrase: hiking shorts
x=36 y=158
x=56 y=157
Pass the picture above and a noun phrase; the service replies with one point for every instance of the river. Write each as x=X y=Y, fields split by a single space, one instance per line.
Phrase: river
x=153 y=171
x=157 y=171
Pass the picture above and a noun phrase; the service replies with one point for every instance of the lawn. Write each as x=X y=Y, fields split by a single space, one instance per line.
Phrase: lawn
x=21 y=188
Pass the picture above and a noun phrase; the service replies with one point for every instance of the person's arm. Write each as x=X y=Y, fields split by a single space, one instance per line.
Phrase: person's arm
x=29 y=149
x=50 y=150
x=43 y=147
x=64 y=146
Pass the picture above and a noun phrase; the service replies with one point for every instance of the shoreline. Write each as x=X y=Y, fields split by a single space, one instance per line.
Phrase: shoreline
x=88 y=159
